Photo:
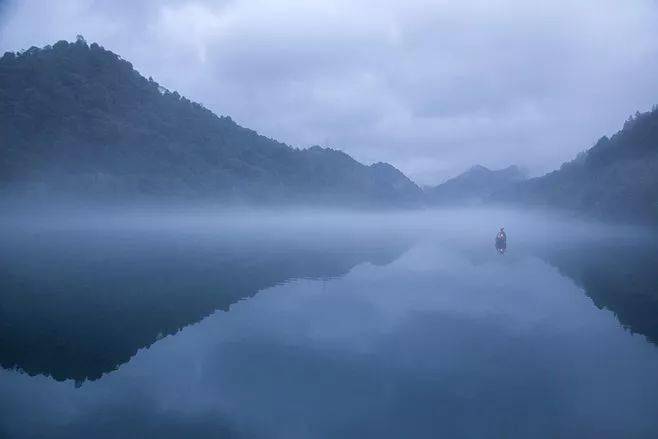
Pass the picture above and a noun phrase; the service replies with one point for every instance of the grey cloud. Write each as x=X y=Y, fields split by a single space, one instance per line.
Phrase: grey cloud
x=430 y=86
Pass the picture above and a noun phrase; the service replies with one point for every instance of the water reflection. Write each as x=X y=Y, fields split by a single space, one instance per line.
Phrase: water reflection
x=620 y=276
x=442 y=338
x=75 y=305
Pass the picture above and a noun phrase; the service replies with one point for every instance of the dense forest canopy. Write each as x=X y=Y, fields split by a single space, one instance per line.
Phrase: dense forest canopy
x=77 y=118
x=617 y=178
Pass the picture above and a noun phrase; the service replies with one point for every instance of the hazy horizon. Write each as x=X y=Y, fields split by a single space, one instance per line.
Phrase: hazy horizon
x=432 y=88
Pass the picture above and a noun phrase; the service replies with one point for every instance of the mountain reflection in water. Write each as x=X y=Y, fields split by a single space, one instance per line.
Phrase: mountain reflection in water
x=405 y=328
x=75 y=305
x=621 y=277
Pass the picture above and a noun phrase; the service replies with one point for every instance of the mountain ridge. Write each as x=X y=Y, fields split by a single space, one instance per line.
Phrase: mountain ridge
x=473 y=186
x=81 y=120
x=615 y=179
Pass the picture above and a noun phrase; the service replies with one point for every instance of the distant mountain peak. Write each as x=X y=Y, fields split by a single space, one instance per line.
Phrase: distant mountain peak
x=475 y=185
x=478 y=168
x=386 y=166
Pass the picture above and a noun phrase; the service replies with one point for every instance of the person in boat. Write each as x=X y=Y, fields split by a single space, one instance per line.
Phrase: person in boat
x=501 y=240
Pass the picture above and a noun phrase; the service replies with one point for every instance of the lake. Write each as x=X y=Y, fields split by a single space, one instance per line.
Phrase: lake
x=326 y=325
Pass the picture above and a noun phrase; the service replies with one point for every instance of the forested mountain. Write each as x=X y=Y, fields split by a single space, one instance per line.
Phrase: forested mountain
x=474 y=186
x=78 y=120
x=617 y=178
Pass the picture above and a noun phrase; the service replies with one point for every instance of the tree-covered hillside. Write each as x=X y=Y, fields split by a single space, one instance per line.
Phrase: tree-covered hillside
x=617 y=178
x=78 y=120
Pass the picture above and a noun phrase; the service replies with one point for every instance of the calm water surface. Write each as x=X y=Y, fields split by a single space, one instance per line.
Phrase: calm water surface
x=314 y=326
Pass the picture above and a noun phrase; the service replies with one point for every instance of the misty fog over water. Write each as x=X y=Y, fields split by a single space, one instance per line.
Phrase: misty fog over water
x=321 y=324
x=328 y=220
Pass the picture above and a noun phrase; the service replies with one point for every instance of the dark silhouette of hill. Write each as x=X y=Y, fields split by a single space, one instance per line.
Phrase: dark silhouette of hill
x=474 y=186
x=78 y=120
x=616 y=179
x=620 y=277
x=76 y=305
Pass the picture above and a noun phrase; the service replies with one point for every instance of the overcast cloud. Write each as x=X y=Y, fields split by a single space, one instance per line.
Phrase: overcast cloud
x=432 y=87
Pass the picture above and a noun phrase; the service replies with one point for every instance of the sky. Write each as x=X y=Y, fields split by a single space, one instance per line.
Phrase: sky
x=433 y=87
